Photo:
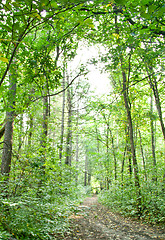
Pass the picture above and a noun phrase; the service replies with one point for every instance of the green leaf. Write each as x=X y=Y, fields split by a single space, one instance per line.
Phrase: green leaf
x=54 y=4
x=151 y=9
x=146 y=15
x=35 y=15
x=6 y=27
x=120 y=2
x=3 y=59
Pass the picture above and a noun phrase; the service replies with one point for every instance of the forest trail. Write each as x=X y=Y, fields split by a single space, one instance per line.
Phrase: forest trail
x=94 y=221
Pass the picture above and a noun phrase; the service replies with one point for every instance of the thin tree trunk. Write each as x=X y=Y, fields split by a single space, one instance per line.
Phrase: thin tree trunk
x=153 y=142
x=122 y=167
x=98 y=144
x=69 y=129
x=30 y=130
x=89 y=176
x=129 y=118
x=20 y=140
x=141 y=148
x=86 y=169
x=114 y=155
x=8 y=135
x=77 y=144
x=130 y=124
x=107 y=178
x=107 y=164
x=129 y=152
x=62 y=119
x=43 y=141
x=153 y=85
x=45 y=122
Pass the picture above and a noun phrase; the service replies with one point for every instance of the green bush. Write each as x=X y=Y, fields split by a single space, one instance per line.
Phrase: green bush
x=122 y=198
x=38 y=210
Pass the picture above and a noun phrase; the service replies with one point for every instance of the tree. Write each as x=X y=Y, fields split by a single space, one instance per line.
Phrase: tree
x=10 y=115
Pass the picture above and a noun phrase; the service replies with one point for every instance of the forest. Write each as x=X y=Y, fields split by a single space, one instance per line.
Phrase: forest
x=60 y=140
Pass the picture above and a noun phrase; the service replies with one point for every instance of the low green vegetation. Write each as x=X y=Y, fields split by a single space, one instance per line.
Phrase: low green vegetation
x=39 y=210
x=122 y=198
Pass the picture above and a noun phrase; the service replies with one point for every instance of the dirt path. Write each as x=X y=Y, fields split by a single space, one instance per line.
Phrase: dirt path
x=94 y=221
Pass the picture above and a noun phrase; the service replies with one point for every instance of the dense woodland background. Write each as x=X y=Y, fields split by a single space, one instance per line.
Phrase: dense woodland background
x=59 y=140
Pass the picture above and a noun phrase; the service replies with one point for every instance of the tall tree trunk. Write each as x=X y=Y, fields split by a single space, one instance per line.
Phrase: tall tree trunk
x=97 y=137
x=107 y=155
x=128 y=150
x=154 y=87
x=89 y=176
x=114 y=154
x=69 y=128
x=43 y=141
x=129 y=118
x=124 y=155
x=141 y=148
x=153 y=142
x=107 y=165
x=30 y=129
x=45 y=121
x=20 y=140
x=77 y=143
x=86 y=169
x=8 y=135
x=123 y=161
x=62 y=119
x=131 y=135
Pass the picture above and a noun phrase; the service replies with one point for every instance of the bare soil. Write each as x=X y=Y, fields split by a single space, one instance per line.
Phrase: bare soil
x=94 y=221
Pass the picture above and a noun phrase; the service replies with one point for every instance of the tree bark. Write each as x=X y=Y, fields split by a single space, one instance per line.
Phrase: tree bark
x=69 y=128
x=114 y=154
x=153 y=142
x=8 y=135
x=129 y=118
x=62 y=119
x=154 y=87
x=141 y=148
x=97 y=137
x=122 y=166
x=77 y=144
x=128 y=146
x=30 y=129
x=20 y=139
x=86 y=169
x=45 y=122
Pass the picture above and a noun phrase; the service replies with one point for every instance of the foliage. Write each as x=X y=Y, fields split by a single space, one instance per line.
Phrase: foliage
x=39 y=212
x=122 y=198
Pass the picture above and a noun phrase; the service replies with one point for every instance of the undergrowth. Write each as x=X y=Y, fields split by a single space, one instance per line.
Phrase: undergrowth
x=34 y=212
x=122 y=198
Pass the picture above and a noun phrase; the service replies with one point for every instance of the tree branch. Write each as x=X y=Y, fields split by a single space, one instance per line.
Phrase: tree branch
x=120 y=10
x=54 y=94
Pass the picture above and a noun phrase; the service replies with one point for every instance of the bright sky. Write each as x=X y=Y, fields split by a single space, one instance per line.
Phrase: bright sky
x=99 y=82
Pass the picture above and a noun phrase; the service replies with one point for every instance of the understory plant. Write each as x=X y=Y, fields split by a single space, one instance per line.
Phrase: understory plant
x=39 y=209
x=121 y=197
